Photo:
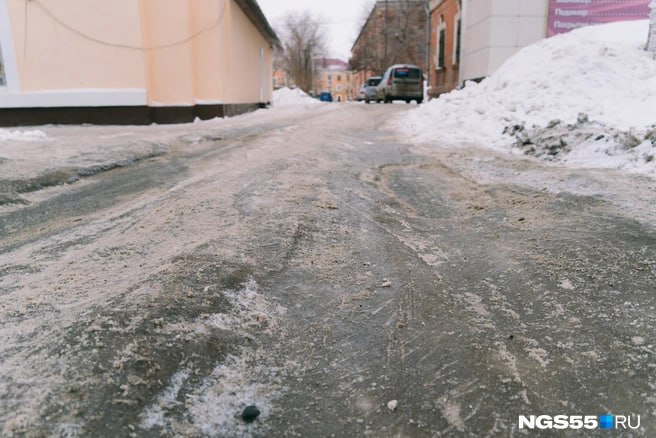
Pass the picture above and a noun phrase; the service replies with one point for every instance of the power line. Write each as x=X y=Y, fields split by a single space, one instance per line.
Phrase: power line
x=79 y=33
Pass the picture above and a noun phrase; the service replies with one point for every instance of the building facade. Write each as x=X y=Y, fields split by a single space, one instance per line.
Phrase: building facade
x=446 y=42
x=333 y=75
x=132 y=61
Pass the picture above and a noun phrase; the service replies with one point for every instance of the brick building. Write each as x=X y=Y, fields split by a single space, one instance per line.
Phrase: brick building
x=446 y=41
x=394 y=33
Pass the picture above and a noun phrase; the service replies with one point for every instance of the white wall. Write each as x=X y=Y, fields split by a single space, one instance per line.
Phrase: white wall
x=494 y=30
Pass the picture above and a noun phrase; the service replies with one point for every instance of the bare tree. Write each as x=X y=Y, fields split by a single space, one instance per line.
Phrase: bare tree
x=303 y=41
x=394 y=32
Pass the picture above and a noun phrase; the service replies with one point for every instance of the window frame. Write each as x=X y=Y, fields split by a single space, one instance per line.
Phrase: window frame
x=440 y=45
x=457 y=37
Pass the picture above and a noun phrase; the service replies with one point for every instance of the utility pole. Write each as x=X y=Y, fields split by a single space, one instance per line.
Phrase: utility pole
x=463 y=26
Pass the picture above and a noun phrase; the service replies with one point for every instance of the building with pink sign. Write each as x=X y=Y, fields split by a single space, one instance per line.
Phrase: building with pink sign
x=494 y=30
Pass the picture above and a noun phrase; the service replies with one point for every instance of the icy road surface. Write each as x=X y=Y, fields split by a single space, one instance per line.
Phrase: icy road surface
x=317 y=266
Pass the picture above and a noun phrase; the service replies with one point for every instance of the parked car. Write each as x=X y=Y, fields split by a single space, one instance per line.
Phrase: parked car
x=401 y=82
x=361 y=93
x=370 y=88
x=326 y=97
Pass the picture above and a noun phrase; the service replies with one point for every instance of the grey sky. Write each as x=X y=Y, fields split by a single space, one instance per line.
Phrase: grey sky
x=341 y=19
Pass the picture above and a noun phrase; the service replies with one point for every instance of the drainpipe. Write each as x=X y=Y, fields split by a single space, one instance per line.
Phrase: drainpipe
x=428 y=35
x=463 y=33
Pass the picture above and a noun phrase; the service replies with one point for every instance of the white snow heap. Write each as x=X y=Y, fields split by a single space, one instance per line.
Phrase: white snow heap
x=16 y=135
x=286 y=97
x=602 y=71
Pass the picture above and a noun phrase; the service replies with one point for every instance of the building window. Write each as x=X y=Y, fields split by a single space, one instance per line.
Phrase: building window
x=339 y=78
x=440 y=48
x=457 y=41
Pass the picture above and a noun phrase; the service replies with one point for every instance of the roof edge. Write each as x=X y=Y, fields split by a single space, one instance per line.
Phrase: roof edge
x=257 y=17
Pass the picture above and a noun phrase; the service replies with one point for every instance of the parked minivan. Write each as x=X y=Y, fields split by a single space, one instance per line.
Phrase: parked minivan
x=401 y=82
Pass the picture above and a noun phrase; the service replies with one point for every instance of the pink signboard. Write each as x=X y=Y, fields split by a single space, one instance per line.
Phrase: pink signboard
x=565 y=15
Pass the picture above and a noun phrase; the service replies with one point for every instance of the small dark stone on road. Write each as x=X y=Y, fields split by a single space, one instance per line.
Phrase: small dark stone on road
x=511 y=337
x=250 y=414
x=521 y=219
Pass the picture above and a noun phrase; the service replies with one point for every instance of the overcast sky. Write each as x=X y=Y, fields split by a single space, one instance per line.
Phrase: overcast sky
x=341 y=19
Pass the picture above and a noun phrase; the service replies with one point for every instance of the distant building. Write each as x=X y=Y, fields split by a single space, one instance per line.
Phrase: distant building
x=333 y=75
x=281 y=77
x=132 y=61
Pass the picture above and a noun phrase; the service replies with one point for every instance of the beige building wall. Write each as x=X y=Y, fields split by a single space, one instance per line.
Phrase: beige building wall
x=135 y=52
x=209 y=48
x=169 y=70
x=251 y=62
x=50 y=56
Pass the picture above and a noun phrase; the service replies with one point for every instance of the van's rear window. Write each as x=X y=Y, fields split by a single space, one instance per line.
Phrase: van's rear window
x=410 y=73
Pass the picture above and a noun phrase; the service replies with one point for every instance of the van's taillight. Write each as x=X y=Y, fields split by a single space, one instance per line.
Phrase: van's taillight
x=389 y=80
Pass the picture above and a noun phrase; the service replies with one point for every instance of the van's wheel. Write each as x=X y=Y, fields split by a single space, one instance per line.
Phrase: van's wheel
x=408 y=101
x=420 y=101
x=366 y=101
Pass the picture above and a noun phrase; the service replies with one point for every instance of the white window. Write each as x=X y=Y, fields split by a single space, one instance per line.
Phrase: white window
x=339 y=87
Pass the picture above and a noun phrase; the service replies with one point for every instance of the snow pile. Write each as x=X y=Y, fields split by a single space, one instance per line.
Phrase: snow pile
x=6 y=134
x=596 y=83
x=286 y=97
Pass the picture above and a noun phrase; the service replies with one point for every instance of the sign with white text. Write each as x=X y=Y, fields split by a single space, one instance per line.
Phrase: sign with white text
x=565 y=15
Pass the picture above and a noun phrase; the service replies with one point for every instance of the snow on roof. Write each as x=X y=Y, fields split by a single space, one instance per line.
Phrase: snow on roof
x=602 y=71
x=332 y=64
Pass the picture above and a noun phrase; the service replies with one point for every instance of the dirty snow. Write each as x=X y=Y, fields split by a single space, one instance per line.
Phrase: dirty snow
x=239 y=381
x=600 y=73
x=286 y=97
x=18 y=135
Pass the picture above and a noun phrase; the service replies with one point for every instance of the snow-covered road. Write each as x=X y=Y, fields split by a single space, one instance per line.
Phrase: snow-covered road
x=317 y=265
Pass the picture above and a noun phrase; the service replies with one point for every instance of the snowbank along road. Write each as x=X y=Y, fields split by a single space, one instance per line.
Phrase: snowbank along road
x=319 y=268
